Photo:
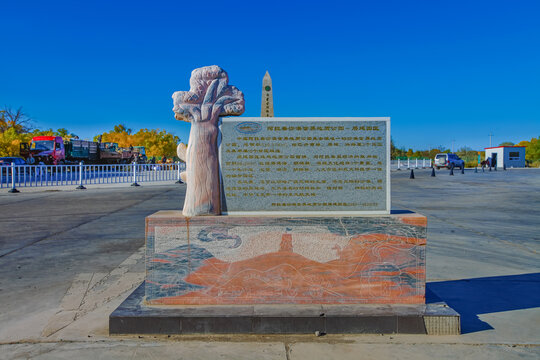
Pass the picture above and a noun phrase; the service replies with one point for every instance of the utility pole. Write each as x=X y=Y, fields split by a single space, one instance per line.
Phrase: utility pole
x=453 y=145
x=490 y=136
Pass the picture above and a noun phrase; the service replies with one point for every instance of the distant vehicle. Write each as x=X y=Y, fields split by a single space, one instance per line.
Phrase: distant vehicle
x=53 y=150
x=81 y=150
x=6 y=161
x=45 y=149
x=110 y=153
x=139 y=154
x=448 y=161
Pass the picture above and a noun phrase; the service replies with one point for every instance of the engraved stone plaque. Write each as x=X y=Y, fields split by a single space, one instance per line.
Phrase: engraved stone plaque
x=305 y=165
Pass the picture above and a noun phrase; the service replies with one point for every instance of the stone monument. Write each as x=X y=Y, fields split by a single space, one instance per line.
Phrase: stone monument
x=267 y=100
x=286 y=228
x=210 y=97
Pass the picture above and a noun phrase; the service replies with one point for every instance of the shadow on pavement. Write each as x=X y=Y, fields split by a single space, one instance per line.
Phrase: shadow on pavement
x=395 y=211
x=471 y=297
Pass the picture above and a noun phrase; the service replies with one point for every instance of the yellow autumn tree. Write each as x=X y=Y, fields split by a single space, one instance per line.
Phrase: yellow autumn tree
x=14 y=127
x=157 y=142
x=10 y=140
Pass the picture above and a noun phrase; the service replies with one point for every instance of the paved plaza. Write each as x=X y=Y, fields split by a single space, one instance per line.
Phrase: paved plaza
x=68 y=258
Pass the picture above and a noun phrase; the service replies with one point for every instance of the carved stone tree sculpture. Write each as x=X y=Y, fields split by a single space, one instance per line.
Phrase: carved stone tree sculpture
x=209 y=97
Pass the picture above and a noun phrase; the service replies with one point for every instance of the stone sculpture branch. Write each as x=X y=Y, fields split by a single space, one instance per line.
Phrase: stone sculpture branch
x=209 y=97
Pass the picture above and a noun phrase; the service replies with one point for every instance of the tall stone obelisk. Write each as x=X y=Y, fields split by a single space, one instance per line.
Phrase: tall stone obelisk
x=267 y=103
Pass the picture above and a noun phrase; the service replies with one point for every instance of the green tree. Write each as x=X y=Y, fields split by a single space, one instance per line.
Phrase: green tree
x=418 y=154
x=532 y=150
x=64 y=133
x=507 y=143
x=394 y=151
x=469 y=155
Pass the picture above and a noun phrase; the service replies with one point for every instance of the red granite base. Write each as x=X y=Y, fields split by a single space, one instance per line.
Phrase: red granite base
x=234 y=260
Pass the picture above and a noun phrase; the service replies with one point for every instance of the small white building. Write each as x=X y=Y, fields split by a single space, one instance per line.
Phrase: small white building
x=511 y=156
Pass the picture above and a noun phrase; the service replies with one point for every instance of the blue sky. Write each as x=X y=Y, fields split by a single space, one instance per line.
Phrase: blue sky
x=442 y=70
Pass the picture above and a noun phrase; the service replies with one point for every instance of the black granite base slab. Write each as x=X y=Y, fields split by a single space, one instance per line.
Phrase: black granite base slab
x=133 y=317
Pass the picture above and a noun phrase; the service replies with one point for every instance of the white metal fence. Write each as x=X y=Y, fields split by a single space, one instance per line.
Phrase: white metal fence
x=410 y=164
x=15 y=176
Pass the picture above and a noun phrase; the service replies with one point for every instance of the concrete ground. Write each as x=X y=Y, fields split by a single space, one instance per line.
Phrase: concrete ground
x=68 y=258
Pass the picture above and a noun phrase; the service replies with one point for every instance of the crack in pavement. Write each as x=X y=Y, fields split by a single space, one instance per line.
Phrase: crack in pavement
x=100 y=289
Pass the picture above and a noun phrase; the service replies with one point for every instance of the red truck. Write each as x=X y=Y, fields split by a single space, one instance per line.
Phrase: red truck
x=46 y=149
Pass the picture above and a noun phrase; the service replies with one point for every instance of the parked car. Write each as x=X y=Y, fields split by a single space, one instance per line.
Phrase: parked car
x=448 y=161
x=6 y=161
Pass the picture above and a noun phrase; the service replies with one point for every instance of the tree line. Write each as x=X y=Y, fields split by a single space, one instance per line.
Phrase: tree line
x=470 y=156
x=16 y=128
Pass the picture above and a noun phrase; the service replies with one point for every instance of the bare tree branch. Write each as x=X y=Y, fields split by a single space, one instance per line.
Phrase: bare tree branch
x=17 y=119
